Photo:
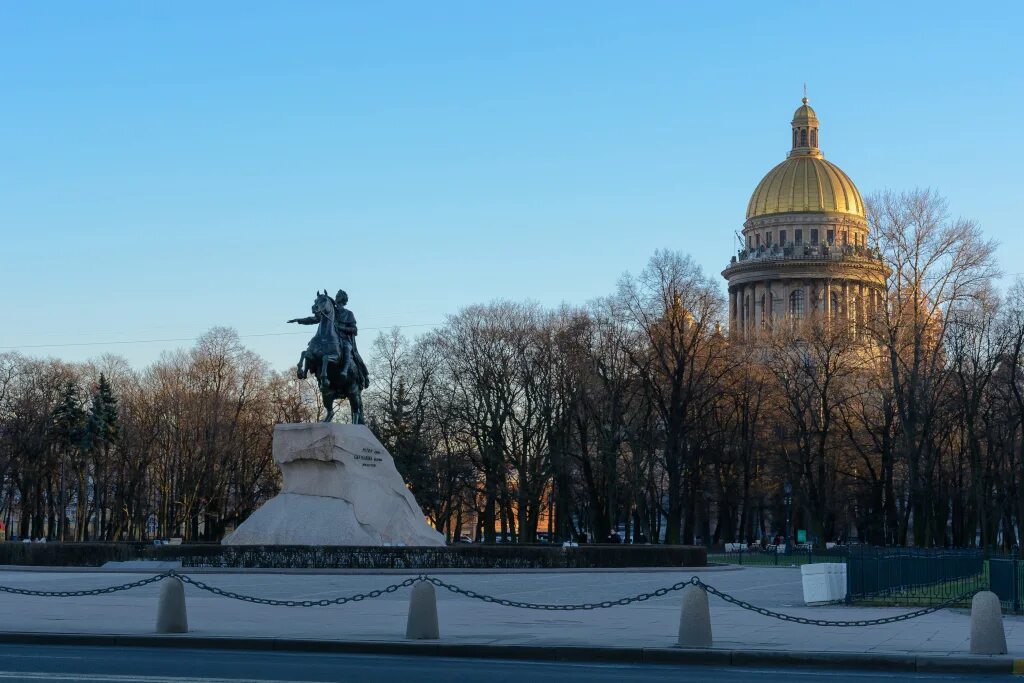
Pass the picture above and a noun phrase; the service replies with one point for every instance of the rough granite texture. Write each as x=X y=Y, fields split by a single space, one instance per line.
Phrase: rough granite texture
x=340 y=488
x=987 y=634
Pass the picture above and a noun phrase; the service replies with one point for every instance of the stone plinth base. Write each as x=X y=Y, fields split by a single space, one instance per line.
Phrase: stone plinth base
x=340 y=488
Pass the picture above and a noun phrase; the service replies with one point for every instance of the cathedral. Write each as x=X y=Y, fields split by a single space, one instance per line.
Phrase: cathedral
x=805 y=249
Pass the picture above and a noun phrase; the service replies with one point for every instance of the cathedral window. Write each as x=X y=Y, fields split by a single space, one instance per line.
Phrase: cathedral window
x=794 y=137
x=835 y=304
x=814 y=137
x=782 y=237
x=803 y=138
x=764 y=311
x=814 y=235
x=799 y=236
x=796 y=304
x=831 y=236
x=768 y=238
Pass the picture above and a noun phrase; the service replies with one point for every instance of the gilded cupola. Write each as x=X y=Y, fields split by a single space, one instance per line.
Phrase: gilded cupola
x=805 y=182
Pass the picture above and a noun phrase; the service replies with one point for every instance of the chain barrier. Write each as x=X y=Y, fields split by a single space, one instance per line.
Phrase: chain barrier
x=604 y=604
x=299 y=603
x=640 y=597
x=94 y=591
x=825 y=622
x=694 y=581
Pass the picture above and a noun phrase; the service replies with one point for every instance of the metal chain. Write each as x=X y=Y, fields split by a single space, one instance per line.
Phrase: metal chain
x=604 y=604
x=640 y=597
x=694 y=581
x=94 y=591
x=825 y=622
x=298 y=603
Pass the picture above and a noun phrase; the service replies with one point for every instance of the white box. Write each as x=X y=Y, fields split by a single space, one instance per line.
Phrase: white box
x=823 y=582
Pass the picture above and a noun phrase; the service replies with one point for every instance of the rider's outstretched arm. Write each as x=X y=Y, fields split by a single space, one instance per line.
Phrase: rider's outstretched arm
x=311 y=320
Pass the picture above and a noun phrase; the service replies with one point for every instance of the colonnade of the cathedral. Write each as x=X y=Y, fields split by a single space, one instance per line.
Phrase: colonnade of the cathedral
x=760 y=305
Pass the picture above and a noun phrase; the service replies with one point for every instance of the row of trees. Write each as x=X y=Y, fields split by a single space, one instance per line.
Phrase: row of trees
x=634 y=412
x=100 y=451
x=637 y=412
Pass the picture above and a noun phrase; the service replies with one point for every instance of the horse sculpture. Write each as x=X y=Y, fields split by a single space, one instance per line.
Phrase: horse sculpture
x=329 y=357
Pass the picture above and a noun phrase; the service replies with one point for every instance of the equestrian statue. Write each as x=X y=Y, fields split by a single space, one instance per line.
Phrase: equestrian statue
x=332 y=356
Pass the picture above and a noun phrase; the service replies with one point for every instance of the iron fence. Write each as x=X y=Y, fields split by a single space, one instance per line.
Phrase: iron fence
x=906 y=577
x=910 y=576
x=1006 y=579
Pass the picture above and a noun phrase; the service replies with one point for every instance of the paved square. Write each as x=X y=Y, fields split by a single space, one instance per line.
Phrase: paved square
x=653 y=623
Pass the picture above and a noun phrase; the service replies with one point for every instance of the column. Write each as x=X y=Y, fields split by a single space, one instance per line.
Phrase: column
x=828 y=300
x=846 y=301
x=758 y=314
x=736 y=311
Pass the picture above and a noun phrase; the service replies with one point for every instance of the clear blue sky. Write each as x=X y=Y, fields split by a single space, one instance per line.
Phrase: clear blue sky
x=166 y=167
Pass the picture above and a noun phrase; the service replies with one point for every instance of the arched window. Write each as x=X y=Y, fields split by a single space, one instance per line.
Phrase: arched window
x=794 y=137
x=814 y=137
x=834 y=302
x=803 y=137
x=796 y=304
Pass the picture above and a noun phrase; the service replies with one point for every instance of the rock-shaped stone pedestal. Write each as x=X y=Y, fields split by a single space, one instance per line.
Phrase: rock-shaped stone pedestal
x=340 y=488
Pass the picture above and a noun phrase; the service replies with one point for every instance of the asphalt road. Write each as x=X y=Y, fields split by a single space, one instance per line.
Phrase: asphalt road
x=147 y=665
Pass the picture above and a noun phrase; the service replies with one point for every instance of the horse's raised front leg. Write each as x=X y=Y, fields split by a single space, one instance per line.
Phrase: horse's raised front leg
x=301 y=368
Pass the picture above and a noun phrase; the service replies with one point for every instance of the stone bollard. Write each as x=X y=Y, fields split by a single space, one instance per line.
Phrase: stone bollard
x=695 y=618
x=987 y=635
x=422 y=624
x=170 y=611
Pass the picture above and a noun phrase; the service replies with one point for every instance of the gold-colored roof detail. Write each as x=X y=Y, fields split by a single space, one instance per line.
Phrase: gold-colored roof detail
x=804 y=115
x=806 y=184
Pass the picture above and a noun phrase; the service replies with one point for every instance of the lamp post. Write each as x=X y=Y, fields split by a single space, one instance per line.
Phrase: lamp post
x=787 y=488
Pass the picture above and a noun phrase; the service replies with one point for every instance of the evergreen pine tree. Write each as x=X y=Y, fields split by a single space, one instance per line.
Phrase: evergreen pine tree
x=69 y=434
x=102 y=435
x=102 y=427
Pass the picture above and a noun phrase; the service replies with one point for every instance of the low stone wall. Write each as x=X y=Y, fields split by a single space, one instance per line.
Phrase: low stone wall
x=469 y=556
x=69 y=554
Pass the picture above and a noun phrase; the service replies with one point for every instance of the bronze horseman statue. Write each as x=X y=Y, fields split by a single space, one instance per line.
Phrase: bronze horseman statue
x=332 y=355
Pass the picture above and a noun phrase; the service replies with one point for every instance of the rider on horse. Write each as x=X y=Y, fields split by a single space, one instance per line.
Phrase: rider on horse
x=345 y=325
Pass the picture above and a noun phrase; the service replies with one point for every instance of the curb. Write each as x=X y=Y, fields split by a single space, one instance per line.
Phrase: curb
x=978 y=664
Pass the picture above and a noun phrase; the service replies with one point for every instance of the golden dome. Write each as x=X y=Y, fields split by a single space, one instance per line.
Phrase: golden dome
x=805 y=182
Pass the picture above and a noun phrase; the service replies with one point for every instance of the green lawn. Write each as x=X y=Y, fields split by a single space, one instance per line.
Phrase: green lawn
x=771 y=560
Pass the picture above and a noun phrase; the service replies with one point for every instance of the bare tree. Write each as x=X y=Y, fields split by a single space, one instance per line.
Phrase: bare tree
x=935 y=263
x=676 y=311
